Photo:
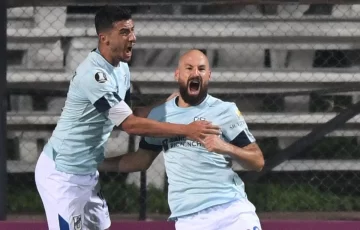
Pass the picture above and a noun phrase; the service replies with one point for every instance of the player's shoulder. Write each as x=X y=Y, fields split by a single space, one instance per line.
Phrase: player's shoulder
x=92 y=72
x=161 y=111
x=91 y=76
x=215 y=102
x=158 y=112
x=90 y=66
x=223 y=108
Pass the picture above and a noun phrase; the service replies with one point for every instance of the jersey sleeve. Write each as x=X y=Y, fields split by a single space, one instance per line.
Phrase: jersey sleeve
x=128 y=97
x=234 y=127
x=144 y=144
x=100 y=90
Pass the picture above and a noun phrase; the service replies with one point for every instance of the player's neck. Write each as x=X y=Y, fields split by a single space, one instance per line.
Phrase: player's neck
x=181 y=103
x=105 y=53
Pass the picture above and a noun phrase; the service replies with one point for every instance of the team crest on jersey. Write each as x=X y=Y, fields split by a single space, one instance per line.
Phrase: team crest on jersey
x=77 y=223
x=100 y=77
x=199 y=119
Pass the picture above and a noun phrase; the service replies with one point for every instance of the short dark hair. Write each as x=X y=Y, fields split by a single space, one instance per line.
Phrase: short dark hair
x=108 y=15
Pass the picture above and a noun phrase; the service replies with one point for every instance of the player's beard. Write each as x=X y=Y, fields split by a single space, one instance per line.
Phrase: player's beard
x=193 y=100
x=119 y=54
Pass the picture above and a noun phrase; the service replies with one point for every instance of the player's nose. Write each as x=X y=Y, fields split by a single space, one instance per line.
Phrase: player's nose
x=132 y=37
x=195 y=72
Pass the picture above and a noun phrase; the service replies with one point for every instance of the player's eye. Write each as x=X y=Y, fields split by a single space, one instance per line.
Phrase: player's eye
x=124 y=32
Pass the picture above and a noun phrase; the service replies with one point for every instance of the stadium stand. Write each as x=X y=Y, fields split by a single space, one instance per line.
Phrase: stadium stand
x=261 y=54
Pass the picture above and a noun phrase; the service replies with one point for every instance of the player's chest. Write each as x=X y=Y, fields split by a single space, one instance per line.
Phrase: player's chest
x=122 y=82
x=188 y=117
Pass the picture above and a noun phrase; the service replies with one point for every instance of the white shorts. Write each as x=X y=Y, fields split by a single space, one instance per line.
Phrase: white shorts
x=230 y=216
x=71 y=202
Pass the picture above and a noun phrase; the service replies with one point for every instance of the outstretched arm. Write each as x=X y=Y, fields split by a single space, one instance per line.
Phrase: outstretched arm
x=121 y=115
x=130 y=162
x=196 y=130
x=105 y=99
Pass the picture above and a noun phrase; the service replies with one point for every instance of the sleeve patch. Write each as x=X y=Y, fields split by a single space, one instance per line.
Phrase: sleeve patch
x=100 y=77
x=238 y=113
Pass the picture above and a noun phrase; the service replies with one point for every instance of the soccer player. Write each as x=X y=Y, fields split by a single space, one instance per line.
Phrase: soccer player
x=66 y=172
x=204 y=192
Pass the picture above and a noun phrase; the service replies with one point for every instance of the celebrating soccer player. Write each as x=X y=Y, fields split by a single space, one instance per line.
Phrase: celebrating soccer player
x=66 y=173
x=204 y=192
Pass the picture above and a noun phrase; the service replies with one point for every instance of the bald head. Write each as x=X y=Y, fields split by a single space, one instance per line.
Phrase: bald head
x=193 y=74
x=192 y=56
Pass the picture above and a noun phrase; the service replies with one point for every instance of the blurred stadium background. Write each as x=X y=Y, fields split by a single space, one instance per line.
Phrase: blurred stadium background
x=292 y=69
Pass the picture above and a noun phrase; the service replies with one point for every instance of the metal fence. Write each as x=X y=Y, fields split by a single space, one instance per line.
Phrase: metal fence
x=290 y=68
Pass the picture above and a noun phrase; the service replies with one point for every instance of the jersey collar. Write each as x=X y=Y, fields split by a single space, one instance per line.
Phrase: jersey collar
x=102 y=61
x=203 y=104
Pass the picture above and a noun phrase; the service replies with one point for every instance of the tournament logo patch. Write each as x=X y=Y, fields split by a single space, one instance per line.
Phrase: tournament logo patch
x=77 y=222
x=238 y=113
x=100 y=77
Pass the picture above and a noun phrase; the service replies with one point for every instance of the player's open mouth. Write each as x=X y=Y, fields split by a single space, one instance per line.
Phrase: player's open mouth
x=194 y=86
x=128 y=51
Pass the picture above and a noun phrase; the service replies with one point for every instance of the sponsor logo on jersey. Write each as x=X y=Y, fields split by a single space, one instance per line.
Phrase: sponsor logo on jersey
x=179 y=142
x=237 y=124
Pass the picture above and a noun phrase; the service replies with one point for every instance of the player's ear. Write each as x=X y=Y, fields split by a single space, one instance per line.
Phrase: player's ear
x=103 y=38
x=209 y=74
x=177 y=75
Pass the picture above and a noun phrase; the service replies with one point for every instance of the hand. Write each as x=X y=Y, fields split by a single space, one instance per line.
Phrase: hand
x=215 y=144
x=199 y=130
x=174 y=94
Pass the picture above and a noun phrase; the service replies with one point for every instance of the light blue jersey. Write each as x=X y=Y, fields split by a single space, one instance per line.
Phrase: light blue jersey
x=199 y=179
x=77 y=143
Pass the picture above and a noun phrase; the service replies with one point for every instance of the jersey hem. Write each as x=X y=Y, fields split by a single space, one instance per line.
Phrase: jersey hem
x=184 y=214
